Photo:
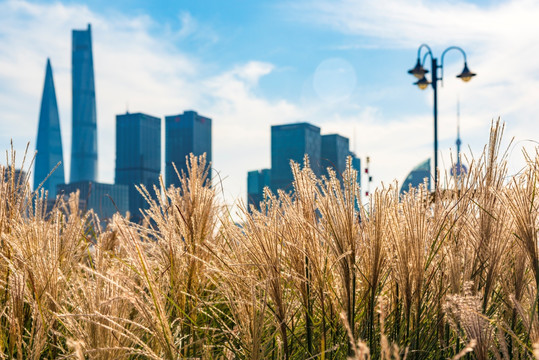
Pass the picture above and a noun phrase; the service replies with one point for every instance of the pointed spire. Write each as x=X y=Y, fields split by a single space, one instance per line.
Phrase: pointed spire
x=49 y=139
x=458 y=169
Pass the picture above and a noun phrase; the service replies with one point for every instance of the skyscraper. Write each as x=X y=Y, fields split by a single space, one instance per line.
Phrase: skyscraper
x=84 y=139
x=49 y=139
x=293 y=142
x=184 y=134
x=356 y=164
x=335 y=150
x=257 y=180
x=138 y=156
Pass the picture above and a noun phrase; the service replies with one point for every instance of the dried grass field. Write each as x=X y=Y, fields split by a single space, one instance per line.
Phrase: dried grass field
x=313 y=275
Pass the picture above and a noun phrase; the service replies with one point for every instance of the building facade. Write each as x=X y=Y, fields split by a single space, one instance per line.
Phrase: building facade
x=293 y=142
x=104 y=199
x=138 y=157
x=185 y=134
x=84 y=136
x=257 y=180
x=18 y=176
x=335 y=150
x=49 y=140
x=356 y=164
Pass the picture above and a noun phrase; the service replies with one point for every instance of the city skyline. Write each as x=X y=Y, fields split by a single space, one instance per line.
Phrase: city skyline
x=233 y=68
x=293 y=142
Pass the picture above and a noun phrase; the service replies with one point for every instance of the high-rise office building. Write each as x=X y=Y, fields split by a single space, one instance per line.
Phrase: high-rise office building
x=49 y=139
x=257 y=180
x=84 y=138
x=417 y=176
x=356 y=164
x=138 y=156
x=104 y=199
x=293 y=142
x=185 y=134
x=18 y=176
x=335 y=150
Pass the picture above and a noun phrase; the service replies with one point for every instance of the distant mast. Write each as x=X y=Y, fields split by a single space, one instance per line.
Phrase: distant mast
x=459 y=142
x=458 y=169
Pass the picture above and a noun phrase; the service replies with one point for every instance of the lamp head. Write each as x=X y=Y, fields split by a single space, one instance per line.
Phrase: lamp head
x=418 y=71
x=466 y=75
x=422 y=83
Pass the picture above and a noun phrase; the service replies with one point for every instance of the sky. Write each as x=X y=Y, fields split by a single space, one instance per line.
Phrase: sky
x=338 y=64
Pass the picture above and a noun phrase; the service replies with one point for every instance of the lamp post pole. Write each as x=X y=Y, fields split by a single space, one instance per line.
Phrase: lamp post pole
x=434 y=65
x=419 y=72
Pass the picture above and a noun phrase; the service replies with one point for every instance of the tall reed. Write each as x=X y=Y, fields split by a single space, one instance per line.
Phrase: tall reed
x=446 y=275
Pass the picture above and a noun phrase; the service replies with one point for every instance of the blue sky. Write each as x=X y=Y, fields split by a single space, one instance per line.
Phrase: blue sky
x=340 y=64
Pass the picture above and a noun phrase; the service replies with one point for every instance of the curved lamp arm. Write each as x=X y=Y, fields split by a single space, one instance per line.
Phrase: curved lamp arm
x=429 y=52
x=425 y=59
x=442 y=59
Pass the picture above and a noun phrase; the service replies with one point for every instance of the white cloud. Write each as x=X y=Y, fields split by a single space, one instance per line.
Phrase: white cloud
x=189 y=24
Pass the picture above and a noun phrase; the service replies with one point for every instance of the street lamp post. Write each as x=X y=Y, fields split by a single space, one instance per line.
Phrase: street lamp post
x=419 y=72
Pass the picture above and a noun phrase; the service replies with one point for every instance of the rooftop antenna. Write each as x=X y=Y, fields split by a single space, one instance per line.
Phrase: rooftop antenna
x=459 y=142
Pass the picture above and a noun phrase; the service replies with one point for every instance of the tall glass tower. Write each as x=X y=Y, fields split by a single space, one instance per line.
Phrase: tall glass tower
x=257 y=180
x=138 y=156
x=335 y=149
x=293 y=142
x=184 y=134
x=84 y=138
x=49 y=139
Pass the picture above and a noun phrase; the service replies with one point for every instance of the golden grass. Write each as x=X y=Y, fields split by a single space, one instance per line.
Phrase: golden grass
x=310 y=275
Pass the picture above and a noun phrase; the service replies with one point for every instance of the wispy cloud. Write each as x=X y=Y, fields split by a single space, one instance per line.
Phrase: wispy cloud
x=403 y=23
x=191 y=28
